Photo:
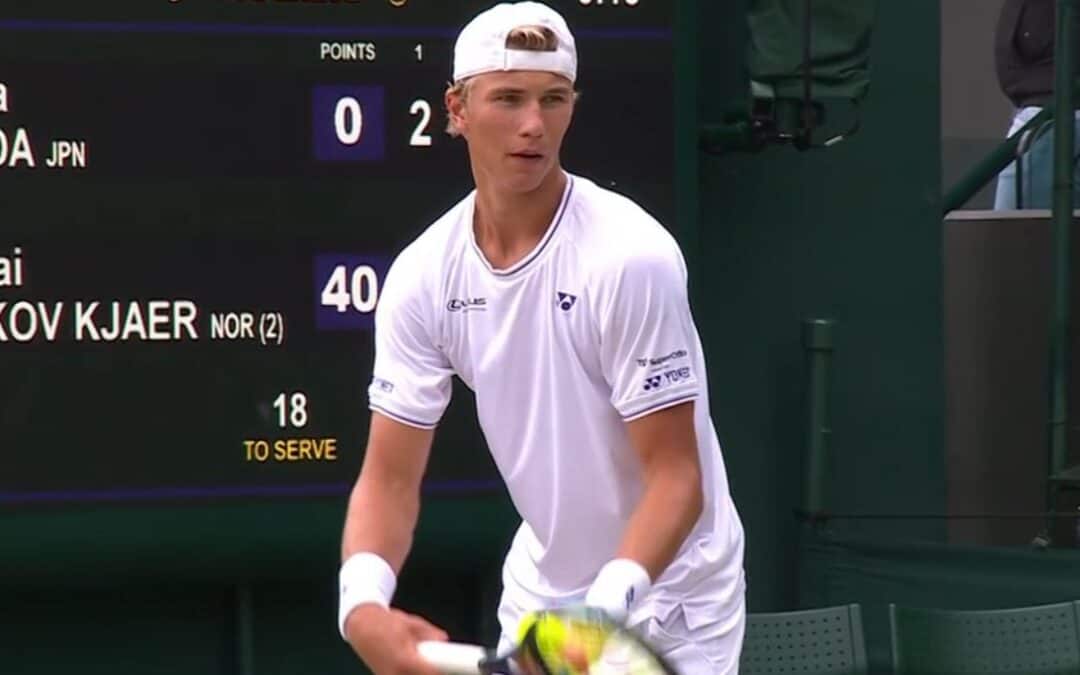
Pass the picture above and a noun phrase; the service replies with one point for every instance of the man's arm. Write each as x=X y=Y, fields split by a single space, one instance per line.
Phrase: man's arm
x=673 y=499
x=648 y=352
x=670 y=505
x=409 y=390
x=379 y=525
x=385 y=501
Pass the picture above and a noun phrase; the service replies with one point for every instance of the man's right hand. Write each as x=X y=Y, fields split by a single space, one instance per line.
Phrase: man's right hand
x=386 y=639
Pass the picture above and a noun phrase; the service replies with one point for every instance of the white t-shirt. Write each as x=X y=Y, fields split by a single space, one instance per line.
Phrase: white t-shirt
x=589 y=331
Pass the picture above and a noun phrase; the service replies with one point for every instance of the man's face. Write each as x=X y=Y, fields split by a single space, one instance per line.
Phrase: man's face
x=514 y=123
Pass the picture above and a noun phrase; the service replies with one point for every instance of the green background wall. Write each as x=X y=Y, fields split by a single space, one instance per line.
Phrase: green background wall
x=852 y=234
x=155 y=590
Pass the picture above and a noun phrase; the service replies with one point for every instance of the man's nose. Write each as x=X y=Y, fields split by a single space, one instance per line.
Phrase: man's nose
x=532 y=120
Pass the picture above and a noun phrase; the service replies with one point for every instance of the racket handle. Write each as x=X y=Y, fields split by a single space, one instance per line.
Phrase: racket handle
x=453 y=658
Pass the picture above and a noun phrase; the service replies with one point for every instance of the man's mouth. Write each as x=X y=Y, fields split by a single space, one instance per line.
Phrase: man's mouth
x=527 y=154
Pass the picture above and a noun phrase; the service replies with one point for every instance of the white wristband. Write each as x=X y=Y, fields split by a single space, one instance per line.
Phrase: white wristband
x=364 y=578
x=620 y=583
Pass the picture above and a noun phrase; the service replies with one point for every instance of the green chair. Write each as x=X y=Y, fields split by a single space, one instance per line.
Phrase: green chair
x=1042 y=640
x=825 y=641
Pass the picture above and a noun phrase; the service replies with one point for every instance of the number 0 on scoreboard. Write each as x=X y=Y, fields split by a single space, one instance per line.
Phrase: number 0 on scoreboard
x=348 y=123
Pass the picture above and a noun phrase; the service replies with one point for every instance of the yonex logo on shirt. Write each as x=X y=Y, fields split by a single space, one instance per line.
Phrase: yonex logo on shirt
x=677 y=375
x=565 y=301
x=668 y=377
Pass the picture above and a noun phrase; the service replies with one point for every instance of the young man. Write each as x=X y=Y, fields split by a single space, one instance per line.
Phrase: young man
x=564 y=307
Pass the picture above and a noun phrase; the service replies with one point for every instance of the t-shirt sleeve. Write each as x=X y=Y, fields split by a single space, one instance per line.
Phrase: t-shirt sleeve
x=647 y=336
x=411 y=380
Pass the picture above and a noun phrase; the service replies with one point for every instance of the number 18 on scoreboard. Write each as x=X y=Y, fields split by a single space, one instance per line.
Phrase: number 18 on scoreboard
x=347 y=290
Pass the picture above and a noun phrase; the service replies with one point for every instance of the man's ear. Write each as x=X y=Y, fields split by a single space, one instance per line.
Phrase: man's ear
x=455 y=108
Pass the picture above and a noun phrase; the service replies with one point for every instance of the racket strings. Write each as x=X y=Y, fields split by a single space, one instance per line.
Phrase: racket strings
x=588 y=645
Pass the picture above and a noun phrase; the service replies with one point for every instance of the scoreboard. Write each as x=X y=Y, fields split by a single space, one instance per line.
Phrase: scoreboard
x=199 y=200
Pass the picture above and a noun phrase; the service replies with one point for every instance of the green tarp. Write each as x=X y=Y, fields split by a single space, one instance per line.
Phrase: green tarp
x=840 y=46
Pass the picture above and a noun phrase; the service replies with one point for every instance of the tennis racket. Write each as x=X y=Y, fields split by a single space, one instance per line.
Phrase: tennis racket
x=557 y=642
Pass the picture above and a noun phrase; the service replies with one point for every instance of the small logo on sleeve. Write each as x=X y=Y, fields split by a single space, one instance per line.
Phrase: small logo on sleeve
x=660 y=360
x=565 y=301
x=385 y=386
x=673 y=376
x=657 y=361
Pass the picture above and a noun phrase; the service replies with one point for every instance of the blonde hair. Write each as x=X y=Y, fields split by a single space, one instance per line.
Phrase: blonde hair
x=524 y=38
x=532 y=39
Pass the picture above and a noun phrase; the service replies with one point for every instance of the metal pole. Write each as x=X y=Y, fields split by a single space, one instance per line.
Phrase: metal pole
x=818 y=343
x=687 y=157
x=978 y=176
x=245 y=633
x=817 y=337
x=1062 y=220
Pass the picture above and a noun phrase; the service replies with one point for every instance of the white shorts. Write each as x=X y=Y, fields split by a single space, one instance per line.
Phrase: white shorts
x=711 y=649
x=706 y=649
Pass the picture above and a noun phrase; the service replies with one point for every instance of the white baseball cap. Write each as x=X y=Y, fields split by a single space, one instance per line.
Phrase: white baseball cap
x=481 y=46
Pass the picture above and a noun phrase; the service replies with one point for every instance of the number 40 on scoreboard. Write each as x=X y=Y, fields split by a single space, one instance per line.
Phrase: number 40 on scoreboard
x=347 y=290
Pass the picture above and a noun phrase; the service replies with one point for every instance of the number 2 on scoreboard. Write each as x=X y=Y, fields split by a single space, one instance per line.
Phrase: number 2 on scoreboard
x=420 y=137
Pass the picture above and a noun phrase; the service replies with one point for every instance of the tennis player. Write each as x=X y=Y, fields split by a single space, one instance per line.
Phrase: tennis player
x=564 y=307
